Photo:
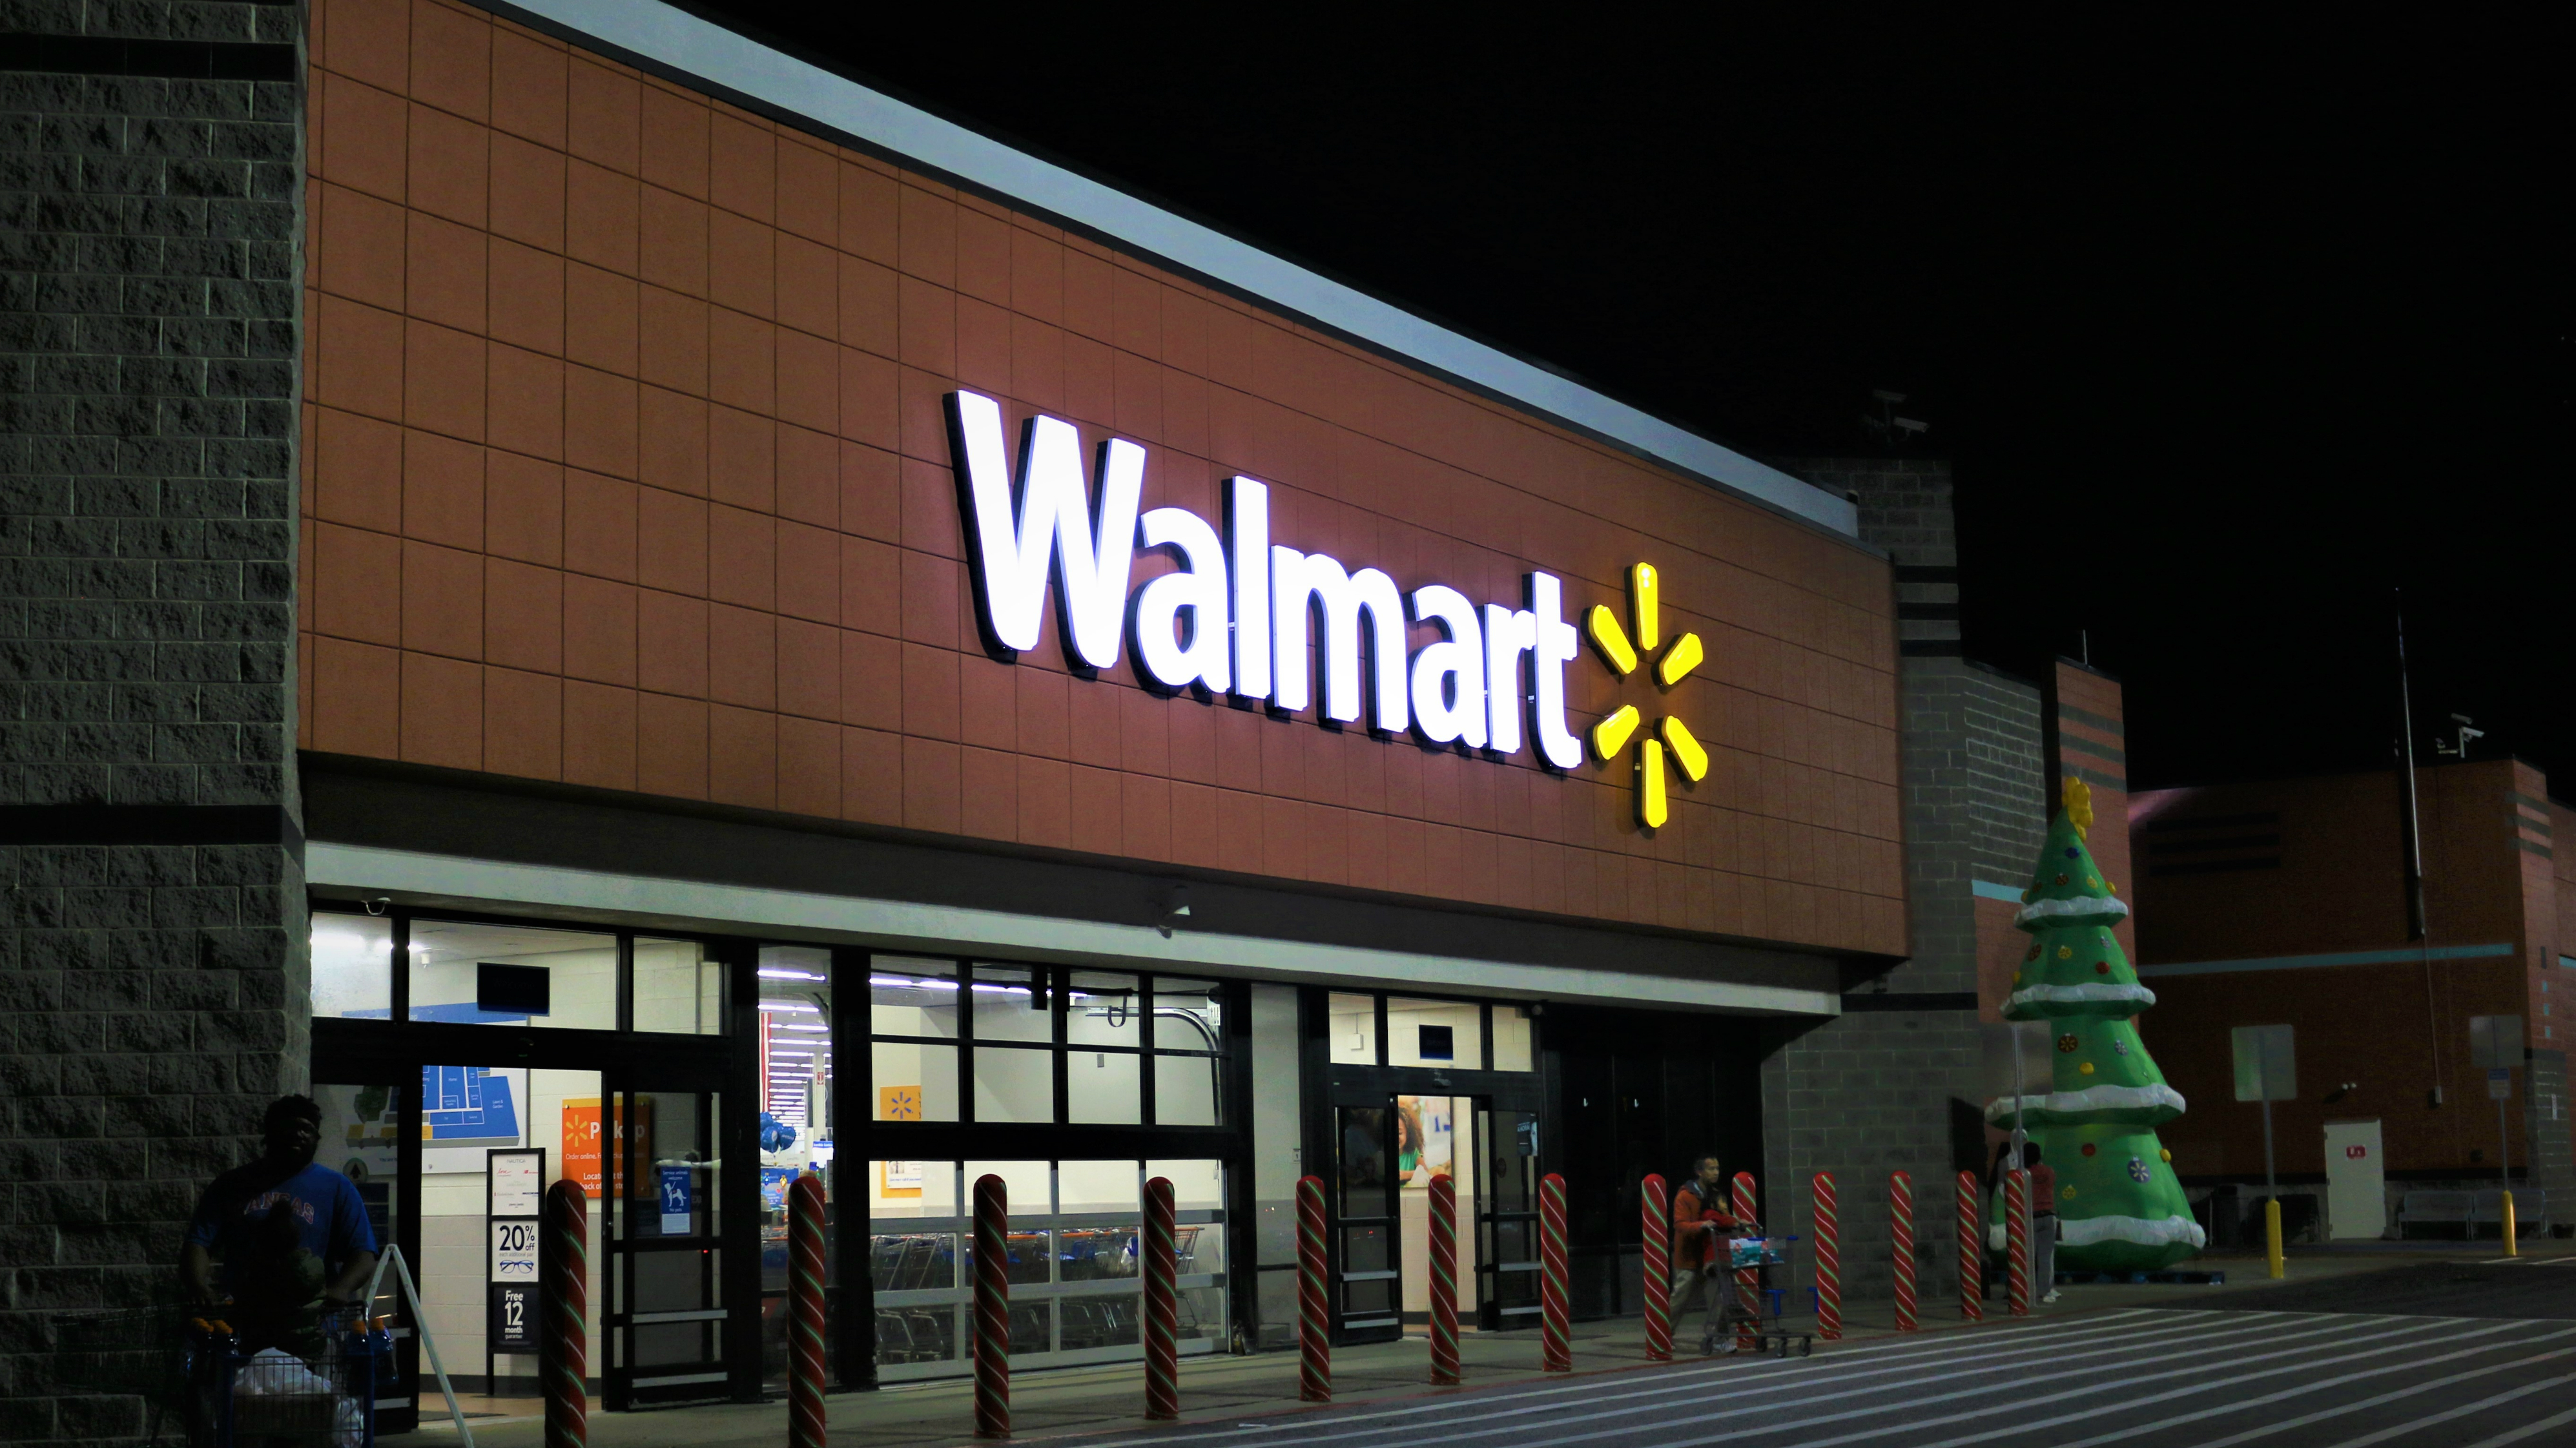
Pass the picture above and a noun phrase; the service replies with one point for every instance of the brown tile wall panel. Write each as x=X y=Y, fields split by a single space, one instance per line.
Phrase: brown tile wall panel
x=630 y=469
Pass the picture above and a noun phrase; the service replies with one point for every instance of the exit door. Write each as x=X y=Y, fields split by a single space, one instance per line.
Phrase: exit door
x=1507 y=1265
x=2356 y=1178
x=1366 y=1278
x=667 y=1313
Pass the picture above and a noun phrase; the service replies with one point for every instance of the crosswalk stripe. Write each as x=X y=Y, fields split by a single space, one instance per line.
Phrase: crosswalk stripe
x=1803 y=1379
x=2338 y=1411
x=2527 y=1430
x=2166 y=1396
x=2092 y=1375
x=2463 y=1410
x=2120 y=1326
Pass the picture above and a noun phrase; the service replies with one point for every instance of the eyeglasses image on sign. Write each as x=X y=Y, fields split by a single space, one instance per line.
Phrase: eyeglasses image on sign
x=1615 y=729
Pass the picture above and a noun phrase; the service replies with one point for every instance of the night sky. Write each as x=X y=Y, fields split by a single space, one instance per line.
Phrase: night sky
x=2228 y=330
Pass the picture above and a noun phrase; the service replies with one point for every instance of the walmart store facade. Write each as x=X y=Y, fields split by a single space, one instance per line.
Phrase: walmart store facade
x=821 y=643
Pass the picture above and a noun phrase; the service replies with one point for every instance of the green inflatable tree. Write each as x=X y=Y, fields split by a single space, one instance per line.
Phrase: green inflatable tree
x=2119 y=1206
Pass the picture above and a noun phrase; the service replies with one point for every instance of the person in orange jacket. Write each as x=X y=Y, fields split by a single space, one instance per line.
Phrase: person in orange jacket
x=1701 y=1224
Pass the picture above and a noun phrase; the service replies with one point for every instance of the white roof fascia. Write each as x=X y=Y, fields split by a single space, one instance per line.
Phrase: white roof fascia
x=681 y=43
x=509 y=886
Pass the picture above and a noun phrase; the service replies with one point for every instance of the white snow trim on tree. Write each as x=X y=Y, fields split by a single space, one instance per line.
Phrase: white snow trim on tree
x=2160 y=1232
x=2091 y=1098
x=2144 y=997
x=2080 y=906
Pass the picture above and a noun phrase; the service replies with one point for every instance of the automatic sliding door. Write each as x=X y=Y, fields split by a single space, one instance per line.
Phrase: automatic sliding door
x=1366 y=1277
x=1507 y=1264
x=664 y=1237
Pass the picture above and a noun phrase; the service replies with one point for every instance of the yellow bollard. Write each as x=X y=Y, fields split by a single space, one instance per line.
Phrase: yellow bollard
x=2272 y=1235
x=2509 y=1249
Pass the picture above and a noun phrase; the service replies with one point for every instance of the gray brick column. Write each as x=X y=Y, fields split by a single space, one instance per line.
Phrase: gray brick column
x=152 y=962
x=1872 y=1092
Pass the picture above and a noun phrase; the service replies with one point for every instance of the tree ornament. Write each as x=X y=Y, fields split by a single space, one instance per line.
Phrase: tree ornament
x=2089 y=1148
x=2064 y=951
x=2139 y=1173
x=2084 y=1070
x=2067 y=1042
x=2164 y=1155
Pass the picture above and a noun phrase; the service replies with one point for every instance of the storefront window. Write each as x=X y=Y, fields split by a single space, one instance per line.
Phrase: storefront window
x=1351 y=1023
x=908 y=997
x=1015 y=1083
x=1512 y=1039
x=512 y=975
x=1448 y=1034
x=1074 y=1240
x=353 y=965
x=1189 y=1015
x=1010 y=1006
x=679 y=987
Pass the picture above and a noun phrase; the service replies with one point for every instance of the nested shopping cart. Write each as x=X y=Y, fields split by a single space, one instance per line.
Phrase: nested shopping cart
x=315 y=1388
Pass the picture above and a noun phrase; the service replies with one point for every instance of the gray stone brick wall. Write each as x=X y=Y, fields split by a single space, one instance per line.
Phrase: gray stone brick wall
x=1870 y=1093
x=151 y=940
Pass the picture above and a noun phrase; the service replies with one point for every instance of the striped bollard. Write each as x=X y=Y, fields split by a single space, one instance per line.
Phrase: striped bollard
x=1829 y=1262
x=1444 y=1280
x=1972 y=1253
x=805 y=1379
x=1556 y=1330
x=1314 y=1315
x=1162 y=1304
x=1748 y=1280
x=1659 y=1270
x=1900 y=1221
x=2017 y=1240
x=992 y=1308
x=563 y=1304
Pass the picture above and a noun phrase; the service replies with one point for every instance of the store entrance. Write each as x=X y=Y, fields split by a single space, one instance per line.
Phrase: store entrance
x=665 y=1247
x=1387 y=1155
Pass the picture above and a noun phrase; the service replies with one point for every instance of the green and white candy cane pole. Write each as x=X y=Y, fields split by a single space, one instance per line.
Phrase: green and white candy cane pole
x=805 y=1378
x=992 y=1308
x=1556 y=1328
x=563 y=1302
x=1162 y=1303
x=1314 y=1313
x=1444 y=1280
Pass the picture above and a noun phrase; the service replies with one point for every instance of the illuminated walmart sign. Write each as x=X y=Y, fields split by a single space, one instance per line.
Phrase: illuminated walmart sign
x=1236 y=618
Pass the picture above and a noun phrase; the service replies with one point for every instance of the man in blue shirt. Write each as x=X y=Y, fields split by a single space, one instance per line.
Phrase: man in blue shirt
x=292 y=1237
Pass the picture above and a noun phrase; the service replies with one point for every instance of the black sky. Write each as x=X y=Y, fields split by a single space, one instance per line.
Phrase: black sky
x=2228 y=328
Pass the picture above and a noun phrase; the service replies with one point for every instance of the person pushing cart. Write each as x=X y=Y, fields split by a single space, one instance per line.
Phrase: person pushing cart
x=1702 y=1225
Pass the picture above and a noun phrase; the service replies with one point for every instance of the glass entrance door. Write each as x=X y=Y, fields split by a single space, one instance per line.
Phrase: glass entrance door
x=1366 y=1273
x=1507 y=1266
x=666 y=1317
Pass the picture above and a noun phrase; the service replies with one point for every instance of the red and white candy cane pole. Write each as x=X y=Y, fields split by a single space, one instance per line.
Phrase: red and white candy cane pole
x=2017 y=1239
x=1829 y=1262
x=1162 y=1304
x=1444 y=1280
x=1659 y=1270
x=992 y=1308
x=1556 y=1330
x=563 y=1304
x=1748 y=1280
x=1314 y=1316
x=1972 y=1252
x=1900 y=1221
x=805 y=1312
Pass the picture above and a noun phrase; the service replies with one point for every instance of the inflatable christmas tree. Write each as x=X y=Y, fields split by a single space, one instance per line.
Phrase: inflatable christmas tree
x=2119 y=1206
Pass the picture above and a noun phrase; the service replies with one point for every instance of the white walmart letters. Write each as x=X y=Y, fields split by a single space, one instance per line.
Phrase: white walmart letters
x=1465 y=687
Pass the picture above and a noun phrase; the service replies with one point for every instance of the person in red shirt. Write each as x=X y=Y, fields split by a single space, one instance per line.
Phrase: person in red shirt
x=1701 y=1224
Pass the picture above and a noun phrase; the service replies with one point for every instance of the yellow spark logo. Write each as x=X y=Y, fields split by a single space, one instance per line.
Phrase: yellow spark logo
x=1613 y=732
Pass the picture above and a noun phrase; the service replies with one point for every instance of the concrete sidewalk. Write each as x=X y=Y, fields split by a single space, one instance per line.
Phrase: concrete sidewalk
x=1110 y=1400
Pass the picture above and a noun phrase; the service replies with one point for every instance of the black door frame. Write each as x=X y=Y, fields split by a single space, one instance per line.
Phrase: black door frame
x=392 y=1052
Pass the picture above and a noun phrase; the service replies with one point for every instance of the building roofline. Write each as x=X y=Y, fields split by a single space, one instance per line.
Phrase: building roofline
x=669 y=40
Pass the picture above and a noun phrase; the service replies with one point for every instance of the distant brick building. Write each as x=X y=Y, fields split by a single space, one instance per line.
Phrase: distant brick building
x=2284 y=902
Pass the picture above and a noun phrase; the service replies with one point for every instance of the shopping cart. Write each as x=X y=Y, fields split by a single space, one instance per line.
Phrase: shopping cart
x=317 y=1389
x=1761 y=1254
